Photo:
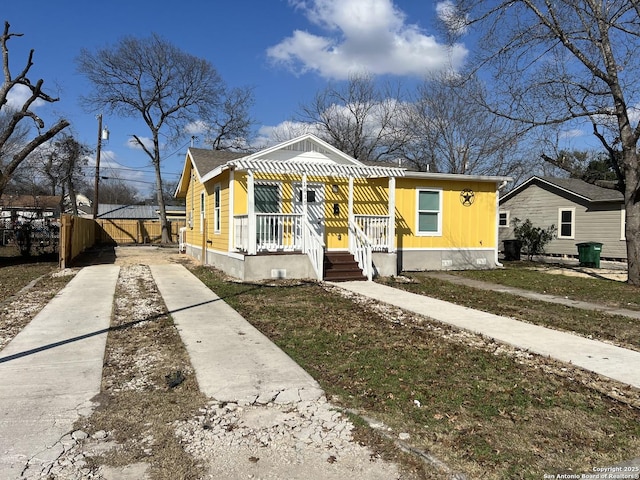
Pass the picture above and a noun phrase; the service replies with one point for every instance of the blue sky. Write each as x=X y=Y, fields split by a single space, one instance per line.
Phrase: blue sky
x=286 y=49
x=281 y=47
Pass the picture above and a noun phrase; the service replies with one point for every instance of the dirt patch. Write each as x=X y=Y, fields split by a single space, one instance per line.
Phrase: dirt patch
x=151 y=255
x=608 y=273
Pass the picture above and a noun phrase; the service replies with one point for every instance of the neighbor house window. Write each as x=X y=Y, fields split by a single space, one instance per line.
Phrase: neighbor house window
x=503 y=219
x=216 y=209
x=429 y=219
x=202 y=212
x=566 y=222
x=623 y=223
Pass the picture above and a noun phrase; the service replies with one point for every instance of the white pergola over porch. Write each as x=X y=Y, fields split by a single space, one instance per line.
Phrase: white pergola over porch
x=295 y=233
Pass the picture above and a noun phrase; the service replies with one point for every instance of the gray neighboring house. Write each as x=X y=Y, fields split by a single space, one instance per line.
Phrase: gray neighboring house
x=581 y=212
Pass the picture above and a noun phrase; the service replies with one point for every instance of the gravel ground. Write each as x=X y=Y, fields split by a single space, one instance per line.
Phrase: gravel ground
x=307 y=440
x=304 y=440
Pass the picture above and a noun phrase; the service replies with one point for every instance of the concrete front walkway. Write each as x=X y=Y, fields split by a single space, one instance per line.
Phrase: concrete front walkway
x=494 y=287
x=233 y=361
x=613 y=362
x=52 y=369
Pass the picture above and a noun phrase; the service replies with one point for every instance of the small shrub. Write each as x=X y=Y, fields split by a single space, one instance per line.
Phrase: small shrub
x=533 y=239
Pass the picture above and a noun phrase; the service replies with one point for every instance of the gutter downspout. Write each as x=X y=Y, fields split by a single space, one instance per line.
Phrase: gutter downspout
x=500 y=187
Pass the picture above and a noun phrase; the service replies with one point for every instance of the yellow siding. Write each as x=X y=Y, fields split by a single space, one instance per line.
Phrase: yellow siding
x=240 y=204
x=194 y=237
x=211 y=238
x=371 y=197
x=220 y=240
x=462 y=226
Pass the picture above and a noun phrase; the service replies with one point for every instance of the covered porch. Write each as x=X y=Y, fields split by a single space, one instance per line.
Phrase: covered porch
x=301 y=230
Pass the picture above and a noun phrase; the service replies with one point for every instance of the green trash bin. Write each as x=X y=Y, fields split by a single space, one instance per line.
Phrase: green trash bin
x=589 y=254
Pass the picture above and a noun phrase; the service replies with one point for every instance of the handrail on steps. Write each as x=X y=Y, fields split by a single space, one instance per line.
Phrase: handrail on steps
x=360 y=247
x=314 y=248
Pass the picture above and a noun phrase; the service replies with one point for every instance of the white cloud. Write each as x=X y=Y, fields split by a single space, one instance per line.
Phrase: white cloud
x=18 y=95
x=272 y=134
x=362 y=36
x=196 y=128
x=448 y=13
x=634 y=113
x=269 y=135
x=572 y=133
x=113 y=169
x=134 y=145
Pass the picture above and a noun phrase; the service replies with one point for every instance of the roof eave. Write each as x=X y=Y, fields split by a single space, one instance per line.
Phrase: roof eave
x=308 y=136
x=215 y=172
x=459 y=177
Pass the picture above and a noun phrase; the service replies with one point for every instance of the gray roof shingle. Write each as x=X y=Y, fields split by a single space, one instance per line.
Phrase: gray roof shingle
x=206 y=159
x=590 y=191
x=575 y=186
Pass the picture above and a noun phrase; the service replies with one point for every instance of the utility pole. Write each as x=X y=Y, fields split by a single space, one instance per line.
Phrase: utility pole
x=97 y=180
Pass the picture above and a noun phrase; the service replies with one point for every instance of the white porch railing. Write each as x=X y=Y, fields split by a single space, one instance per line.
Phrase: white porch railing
x=241 y=235
x=376 y=229
x=314 y=248
x=360 y=247
x=182 y=240
x=274 y=232
x=280 y=232
x=287 y=232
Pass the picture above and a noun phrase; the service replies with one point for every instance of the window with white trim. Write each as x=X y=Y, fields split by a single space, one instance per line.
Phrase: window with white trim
x=429 y=212
x=503 y=219
x=202 y=212
x=566 y=222
x=623 y=223
x=217 y=218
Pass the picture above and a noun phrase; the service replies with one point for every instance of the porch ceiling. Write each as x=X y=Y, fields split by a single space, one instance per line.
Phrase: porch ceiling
x=316 y=168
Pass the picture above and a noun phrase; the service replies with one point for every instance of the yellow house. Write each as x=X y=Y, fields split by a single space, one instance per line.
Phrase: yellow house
x=304 y=209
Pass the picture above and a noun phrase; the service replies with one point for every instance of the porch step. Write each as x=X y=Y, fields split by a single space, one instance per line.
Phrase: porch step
x=341 y=267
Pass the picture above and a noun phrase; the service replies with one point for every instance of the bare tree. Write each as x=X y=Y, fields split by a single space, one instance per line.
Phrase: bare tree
x=14 y=144
x=153 y=79
x=451 y=132
x=116 y=191
x=360 y=119
x=230 y=126
x=564 y=62
x=62 y=167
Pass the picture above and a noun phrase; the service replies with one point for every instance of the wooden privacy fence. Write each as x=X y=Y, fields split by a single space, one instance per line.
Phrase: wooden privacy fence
x=78 y=234
x=135 y=231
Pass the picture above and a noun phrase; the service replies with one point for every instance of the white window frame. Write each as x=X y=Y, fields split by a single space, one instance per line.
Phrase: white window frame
x=217 y=208
x=203 y=206
x=623 y=223
x=437 y=233
x=561 y=210
x=507 y=218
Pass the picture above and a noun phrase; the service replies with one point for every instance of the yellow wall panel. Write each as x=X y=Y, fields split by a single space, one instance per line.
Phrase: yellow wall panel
x=472 y=226
x=462 y=226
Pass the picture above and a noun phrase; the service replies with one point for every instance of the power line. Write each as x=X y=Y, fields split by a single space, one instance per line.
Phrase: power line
x=132 y=169
x=127 y=180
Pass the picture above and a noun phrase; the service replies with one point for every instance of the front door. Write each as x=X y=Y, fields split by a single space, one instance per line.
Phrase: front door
x=315 y=205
